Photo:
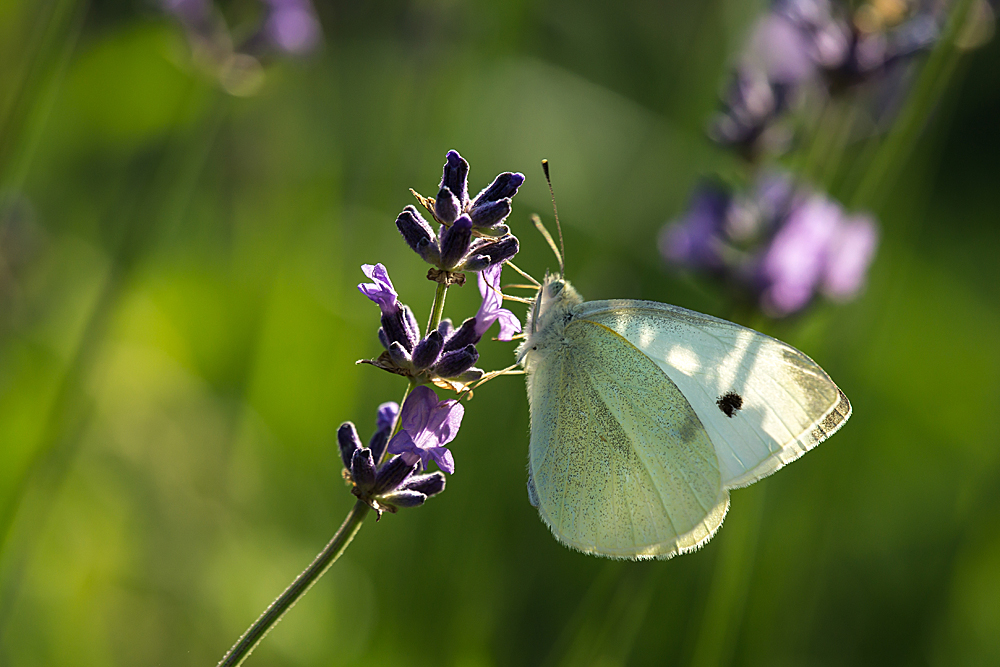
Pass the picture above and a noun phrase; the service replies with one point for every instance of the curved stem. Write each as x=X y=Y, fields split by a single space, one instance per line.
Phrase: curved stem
x=437 y=309
x=253 y=636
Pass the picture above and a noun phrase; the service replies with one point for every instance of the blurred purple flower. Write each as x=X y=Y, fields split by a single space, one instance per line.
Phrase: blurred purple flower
x=817 y=248
x=850 y=254
x=792 y=265
x=751 y=106
x=811 y=43
x=291 y=26
x=427 y=426
x=780 y=50
x=694 y=240
x=490 y=311
x=781 y=243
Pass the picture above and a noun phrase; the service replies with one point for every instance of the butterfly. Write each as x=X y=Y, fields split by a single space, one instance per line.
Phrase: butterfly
x=644 y=416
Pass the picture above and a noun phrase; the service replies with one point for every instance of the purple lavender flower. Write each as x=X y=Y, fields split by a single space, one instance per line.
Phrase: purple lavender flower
x=694 y=241
x=490 y=310
x=817 y=248
x=781 y=244
x=447 y=355
x=388 y=486
x=399 y=332
x=489 y=208
x=381 y=290
x=810 y=43
x=792 y=265
x=472 y=235
x=427 y=426
x=848 y=257
x=291 y=26
x=752 y=104
x=386 y=419
x=455 y=248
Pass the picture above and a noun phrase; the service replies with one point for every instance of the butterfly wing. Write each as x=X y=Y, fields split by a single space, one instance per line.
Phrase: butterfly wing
x=762 y=402
x=619 y=464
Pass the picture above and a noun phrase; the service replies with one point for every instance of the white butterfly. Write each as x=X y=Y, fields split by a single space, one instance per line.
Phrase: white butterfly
x=644 y=416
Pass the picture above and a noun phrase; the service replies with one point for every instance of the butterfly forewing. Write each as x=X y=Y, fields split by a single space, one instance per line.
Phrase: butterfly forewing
x=762 y=402
x=619 y=462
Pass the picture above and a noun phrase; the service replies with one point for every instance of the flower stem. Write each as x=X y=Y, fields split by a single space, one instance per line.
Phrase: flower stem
x=893 y=153
x=298 y=588
x=437 y=309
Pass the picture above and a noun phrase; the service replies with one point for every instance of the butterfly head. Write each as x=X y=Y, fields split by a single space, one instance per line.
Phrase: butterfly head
x=550 y=313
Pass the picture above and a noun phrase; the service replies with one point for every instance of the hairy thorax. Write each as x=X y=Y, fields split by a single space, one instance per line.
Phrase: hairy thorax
x=546 y=322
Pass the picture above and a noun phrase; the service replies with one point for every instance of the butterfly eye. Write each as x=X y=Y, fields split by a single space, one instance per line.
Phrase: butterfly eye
x=555 y=288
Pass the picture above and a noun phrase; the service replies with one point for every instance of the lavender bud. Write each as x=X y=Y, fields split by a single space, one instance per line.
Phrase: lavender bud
x=363 y=470
x=377 y=444
x=447 y=207
x=384 y=421
x=456 y=176
x=347 y=438
x=429 y=485
x=415 y=230
x=392 y=474
x=490 y=213
x=412 y=328
x=446 y=327
x=464 y=335
x=503 y=186
x=383 y=338
x=396 y=330
x=428 y=350
x=457 y=362
x=429 y=252
x=385 y=416
x=455 y=242
x=399 y=355
x=502 y=250
x=404 y=498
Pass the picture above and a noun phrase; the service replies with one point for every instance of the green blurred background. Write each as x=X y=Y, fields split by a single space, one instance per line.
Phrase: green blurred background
x=179 y=322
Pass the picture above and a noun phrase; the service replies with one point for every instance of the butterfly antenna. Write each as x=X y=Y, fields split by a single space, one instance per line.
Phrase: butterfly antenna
x=555 y=212
x=548 y=237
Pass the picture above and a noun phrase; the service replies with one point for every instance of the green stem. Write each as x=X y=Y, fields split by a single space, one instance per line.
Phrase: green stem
x=410 y=386
x=892 y=154
x=437 y=309
x=274 y=613
x=726 y=602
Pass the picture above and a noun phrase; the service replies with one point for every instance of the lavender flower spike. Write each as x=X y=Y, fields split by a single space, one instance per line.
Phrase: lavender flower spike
x=490 y=311
x=381 y=291
x=427 y=426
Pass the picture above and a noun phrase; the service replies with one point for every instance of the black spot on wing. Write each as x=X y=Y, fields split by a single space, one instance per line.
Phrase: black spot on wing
x=730 y=403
